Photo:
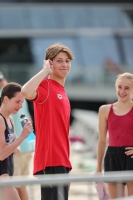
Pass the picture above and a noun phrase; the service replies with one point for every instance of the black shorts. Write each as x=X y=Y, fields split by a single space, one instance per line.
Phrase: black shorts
x=52 y=192
x=116 y=160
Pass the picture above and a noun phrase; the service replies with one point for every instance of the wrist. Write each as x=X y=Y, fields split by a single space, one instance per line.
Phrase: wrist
x=98 y=169
x=45 y=71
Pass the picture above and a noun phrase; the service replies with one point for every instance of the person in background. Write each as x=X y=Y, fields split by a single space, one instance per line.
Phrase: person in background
x=3 y=81
x=117 y=120
x=22 y=158
x=24 y=152
x=51 y=116
x=10 y=102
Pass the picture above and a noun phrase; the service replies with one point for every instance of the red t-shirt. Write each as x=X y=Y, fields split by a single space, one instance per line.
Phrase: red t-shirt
x=120 y=129
x=52 y=122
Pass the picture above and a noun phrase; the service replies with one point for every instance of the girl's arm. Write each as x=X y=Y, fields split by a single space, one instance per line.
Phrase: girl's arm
x=8 y=149
x=17 y=151
x=103 y=115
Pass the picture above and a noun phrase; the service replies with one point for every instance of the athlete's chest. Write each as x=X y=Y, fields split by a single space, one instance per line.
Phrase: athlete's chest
x=59 y=97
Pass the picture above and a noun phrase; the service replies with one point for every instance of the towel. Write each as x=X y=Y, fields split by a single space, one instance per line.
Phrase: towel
x=102 y=191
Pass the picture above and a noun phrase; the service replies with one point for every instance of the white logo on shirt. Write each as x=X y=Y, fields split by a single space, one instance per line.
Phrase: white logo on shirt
x=59 y=96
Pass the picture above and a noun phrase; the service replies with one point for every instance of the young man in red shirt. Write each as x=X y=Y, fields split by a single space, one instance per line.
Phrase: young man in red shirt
x=52 y=116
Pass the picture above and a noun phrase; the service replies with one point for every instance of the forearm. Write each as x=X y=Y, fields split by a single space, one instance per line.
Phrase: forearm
x=29 y=88
x=8 y=149
x=100 y=154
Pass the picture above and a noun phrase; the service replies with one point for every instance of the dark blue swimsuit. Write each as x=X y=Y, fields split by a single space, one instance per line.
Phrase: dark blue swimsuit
x=7 y=165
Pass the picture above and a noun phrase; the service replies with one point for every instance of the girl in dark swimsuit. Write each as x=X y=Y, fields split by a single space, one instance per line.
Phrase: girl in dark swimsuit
x=11 y=101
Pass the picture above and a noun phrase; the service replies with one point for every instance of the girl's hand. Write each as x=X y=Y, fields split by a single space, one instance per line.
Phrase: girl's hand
x=129 y=151
x=96 y=173
x=27 y=129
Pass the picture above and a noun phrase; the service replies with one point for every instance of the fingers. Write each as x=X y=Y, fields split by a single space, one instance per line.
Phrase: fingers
x=29 y=126
x=50 y=62
x=128 y=148
x=47 y=63
x=29 y=123
x=129 y=151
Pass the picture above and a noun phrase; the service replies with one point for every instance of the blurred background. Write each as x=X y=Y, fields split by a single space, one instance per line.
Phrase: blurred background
x=100 y=34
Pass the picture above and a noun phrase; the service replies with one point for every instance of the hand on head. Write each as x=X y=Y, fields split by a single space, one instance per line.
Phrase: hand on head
x=48 y=65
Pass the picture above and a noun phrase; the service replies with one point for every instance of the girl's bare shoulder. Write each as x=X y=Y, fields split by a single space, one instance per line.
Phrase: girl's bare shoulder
x=2 y=123
x=105 y=109
x=1 y=119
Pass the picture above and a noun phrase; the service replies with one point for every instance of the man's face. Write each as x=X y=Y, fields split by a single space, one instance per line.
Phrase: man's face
x=61 y=65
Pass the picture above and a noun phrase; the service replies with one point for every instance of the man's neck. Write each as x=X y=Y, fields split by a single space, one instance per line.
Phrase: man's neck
x=58 y=80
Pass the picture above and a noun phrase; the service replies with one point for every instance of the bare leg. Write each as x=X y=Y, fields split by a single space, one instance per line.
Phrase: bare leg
x=23 y=193
x=8 y=193
x=114 y=190
x=130 y=188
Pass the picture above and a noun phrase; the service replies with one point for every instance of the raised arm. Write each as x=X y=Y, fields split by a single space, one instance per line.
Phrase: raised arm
x=29 y=88
x=103 y=114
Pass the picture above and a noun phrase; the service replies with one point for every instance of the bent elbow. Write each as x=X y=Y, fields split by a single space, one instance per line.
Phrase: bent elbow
x=28 y=94
x=24 y=92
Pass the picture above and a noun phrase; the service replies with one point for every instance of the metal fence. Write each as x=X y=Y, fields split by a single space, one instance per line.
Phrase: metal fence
x=79 y=180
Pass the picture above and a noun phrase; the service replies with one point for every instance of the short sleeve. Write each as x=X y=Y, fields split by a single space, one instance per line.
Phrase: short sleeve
x=42 y=91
